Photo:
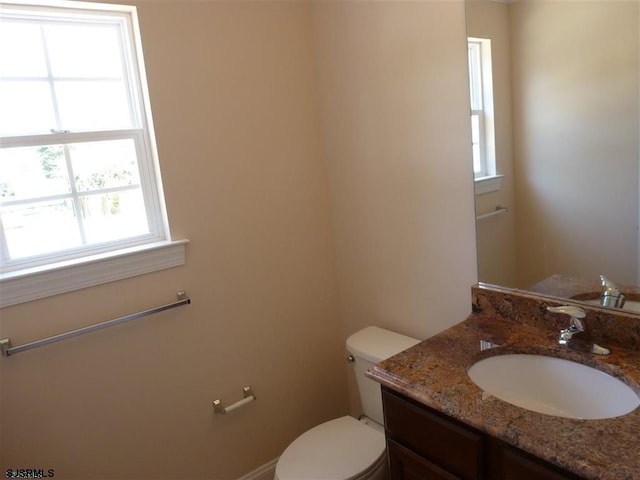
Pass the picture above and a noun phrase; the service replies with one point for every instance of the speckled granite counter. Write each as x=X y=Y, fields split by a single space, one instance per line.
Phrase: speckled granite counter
x=434 y=373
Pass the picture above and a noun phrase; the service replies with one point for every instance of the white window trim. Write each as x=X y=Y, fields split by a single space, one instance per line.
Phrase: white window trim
x=488 y=184
x=37 y=282
x=53 y=279
x=489 y=180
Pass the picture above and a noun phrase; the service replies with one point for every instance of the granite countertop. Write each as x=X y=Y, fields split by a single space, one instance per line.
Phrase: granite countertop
x=434 y=374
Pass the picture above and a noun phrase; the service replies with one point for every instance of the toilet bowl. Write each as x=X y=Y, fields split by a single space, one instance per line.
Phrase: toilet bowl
x=345 y=448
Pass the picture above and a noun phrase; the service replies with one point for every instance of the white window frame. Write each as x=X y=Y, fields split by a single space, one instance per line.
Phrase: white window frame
x=481 y=100
x=51 y=274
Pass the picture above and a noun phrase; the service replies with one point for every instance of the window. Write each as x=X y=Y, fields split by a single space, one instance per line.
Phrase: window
x=78 y=167
x=482 y=117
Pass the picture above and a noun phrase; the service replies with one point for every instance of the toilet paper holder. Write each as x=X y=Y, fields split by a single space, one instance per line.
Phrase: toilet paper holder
x=248 y=398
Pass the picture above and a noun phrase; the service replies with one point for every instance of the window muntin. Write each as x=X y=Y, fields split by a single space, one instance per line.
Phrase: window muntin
x=77 y=166
x=78 y=68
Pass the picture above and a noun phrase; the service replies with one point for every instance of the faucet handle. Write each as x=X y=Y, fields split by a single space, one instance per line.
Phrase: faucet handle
x=611 y=295
x=576 y=326
x=574 y=312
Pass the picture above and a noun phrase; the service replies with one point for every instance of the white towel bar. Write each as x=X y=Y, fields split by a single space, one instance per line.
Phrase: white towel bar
x=498 y=211
x=248 y=398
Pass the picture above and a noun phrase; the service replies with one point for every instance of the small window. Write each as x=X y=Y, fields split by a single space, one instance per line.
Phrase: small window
x=482 y=120
x=77 y=159
x=81 y=201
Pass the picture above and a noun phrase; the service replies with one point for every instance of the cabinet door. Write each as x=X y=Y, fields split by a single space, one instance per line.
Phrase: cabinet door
x=518 y=467
x=453 y=447
x=406 y=465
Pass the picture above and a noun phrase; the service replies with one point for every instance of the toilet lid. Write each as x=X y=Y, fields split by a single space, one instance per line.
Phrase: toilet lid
x=338 y=449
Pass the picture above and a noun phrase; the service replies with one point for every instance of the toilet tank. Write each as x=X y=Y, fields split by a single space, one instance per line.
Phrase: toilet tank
x=368 y=347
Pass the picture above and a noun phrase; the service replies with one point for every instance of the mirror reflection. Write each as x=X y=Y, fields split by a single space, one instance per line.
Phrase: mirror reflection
x=555 y=110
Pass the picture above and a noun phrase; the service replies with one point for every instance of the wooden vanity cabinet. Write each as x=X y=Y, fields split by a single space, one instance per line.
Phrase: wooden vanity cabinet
x=424 y=444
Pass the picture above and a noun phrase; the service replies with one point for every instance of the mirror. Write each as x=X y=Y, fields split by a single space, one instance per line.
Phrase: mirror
x=565 y=113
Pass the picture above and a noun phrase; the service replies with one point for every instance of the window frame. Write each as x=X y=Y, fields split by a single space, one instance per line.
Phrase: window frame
x=22 y=279
x=481 y=106
x=148 y=187
x=476 y=88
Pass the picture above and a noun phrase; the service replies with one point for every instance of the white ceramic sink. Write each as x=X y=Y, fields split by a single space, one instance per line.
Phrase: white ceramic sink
x=554 y=386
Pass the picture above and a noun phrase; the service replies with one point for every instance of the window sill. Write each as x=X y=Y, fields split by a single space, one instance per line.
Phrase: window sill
x=488 y=184
x=32 y=284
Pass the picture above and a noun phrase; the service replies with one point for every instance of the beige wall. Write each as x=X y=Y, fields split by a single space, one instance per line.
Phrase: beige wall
x=496 y=236
x=394 y=98
x=576 y=116
x=317 y=159
x=233 y=92
x=392 y=78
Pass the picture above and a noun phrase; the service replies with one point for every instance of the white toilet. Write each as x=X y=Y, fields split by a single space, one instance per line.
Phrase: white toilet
x=346 y=448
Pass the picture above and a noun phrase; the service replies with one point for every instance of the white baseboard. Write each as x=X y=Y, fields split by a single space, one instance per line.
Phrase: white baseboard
x=264 y=472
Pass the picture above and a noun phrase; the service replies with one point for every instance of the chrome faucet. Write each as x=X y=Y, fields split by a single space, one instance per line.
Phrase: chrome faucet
x=611 y=295
x=577 y=326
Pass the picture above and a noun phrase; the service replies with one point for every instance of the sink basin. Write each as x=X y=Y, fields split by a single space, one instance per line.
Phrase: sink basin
x=554 y=386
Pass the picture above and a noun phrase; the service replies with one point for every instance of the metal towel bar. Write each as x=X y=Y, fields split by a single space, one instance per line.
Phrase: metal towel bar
x=7 y=349
x=498 y=211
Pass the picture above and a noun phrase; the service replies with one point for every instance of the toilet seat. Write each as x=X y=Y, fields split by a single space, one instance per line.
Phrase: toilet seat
x=340 y=449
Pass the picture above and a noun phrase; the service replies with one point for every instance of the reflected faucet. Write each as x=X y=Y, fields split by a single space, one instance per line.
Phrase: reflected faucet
x=611 y=295
x=577 y=326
